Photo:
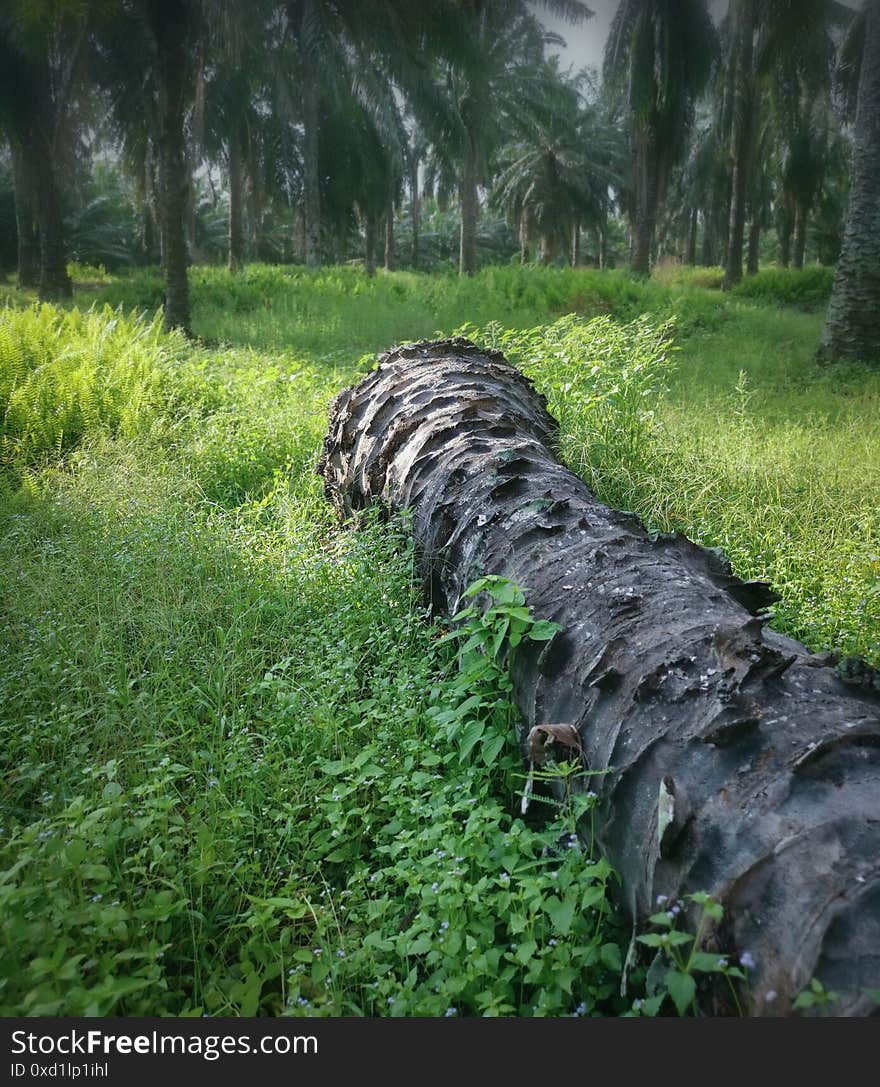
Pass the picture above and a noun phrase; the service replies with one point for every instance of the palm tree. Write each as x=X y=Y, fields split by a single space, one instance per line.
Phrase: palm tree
x=554 y=178
x=41 y=50
x=148 y=54
x=491 y=51
x=658 y=59
x=851 y=329
x=780 y=51
x=742 y=129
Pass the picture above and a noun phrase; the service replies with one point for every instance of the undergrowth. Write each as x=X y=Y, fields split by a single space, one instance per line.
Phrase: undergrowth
x=232 y=774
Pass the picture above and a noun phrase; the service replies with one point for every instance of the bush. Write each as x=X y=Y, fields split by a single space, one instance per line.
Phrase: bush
x=64 y=374
x=807 y=288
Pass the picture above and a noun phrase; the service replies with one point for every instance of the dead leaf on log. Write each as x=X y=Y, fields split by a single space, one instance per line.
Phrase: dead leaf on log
x=542 y=736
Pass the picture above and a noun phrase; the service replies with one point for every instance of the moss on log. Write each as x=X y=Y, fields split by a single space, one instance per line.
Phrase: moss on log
x=739 y=763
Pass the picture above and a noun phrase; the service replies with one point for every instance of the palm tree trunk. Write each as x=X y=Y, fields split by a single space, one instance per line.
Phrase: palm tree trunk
x=236 y=233
x=731 y=760
x=801 y=218
x=54 y=280
x=741 y=137
x=646 y=203
x=852 y=329
x=170 y=33
x=708 y=251
x=785 y=228
x=470 y=210
x=754 y=248
x=548 y=248
x=524 y=237
x=415 y=207
x=299 y=235
x=25 y=219
x=575 y=245
x=389 y=227
x=690 y=248
x=370 y=237
x=644 y=243
x=311 y=181
x=254 y=213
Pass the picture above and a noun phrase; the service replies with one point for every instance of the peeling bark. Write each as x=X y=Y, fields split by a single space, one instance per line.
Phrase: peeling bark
x=671 y=680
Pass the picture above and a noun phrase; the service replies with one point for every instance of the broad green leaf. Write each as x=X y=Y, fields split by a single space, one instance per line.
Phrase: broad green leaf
x=682 y=988
x=469 y=736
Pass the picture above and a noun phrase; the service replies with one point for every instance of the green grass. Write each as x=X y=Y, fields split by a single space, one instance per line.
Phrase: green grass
x=228 y=782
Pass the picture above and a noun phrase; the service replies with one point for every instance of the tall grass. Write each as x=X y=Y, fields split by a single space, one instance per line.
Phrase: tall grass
x=64 y=374
x=226 y=788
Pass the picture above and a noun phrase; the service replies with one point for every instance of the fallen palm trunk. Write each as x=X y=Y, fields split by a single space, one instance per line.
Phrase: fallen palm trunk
x=740 y=763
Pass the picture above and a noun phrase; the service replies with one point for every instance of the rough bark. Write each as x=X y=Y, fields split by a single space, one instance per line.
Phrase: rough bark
x=741 y=138
x=754 y=249
x=171 y=41
x=647 y=199
x=25 y=220
x=470 y=209
x=769 y=762
x=852 y=329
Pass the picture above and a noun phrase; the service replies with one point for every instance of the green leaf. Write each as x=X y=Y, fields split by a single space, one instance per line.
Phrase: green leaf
x=469 y=736
x=543 y=630
x=492 y=748
x=610 y=956
x=561 y=913
x=661 y=919
x=675 y=939
x=706 y=963
x=525 y=951
x=682 y=988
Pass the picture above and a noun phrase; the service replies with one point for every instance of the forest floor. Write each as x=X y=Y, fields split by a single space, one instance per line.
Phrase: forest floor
x=226 y=787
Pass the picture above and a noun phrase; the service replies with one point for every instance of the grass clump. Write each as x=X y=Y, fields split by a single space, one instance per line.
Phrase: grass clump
x=67 y=374
x=806 y=288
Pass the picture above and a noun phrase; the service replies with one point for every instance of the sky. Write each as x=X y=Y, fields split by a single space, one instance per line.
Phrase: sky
x=585 y=44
